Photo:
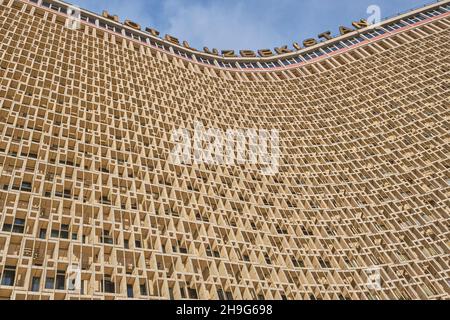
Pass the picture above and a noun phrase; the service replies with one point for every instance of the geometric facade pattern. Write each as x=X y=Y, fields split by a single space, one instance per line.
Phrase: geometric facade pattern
x=91 y=207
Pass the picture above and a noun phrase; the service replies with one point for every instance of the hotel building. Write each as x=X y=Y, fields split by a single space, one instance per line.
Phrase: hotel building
x=92 y=207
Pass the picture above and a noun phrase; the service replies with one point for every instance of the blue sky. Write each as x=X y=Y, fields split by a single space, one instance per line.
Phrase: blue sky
x=245 y=24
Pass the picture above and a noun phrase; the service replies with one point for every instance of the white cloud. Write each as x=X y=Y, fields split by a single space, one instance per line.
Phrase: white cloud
x=223 y=25
x=139 y=10
x=244 y=24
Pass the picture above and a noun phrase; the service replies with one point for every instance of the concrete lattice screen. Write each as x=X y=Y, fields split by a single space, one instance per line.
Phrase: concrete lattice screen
x=86 y=119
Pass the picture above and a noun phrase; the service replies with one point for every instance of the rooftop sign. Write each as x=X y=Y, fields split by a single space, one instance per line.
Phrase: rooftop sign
x=327 y=35
x=279 y=58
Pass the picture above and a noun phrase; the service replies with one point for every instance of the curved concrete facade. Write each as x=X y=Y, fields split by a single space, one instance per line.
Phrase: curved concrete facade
x=93 y=206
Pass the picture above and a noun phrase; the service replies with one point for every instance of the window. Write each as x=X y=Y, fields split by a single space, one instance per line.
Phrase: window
x=159 y=45
x=306 y=57
x=88 y=19
x=183 y=292
x=221 y=294
x=49 y=283
x=249 y=65
x=42 y=233
x=329 y=49
x=192 y=294
x=413 y=20
x=35 y=283
x=432 y=13
x=63 y=233
x=26 y=186
x=19 y=225
x=225 y=64
x=60 y=280
x=207 y=61
x=7 y=227
x=109 y=285
x=183 y=250
x=290 y=61
x=9 y=274
x=373 y=34
x=143 y=289
x=395 y=26
x=106 y=237
x=130 y=291
x=272 y=64
x=183 y=54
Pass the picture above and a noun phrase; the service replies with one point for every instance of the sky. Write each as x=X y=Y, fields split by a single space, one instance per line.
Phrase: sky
x=245 y=24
